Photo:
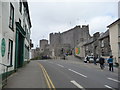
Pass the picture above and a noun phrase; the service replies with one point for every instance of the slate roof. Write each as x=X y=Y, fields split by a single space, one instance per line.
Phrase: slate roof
x=104 y=35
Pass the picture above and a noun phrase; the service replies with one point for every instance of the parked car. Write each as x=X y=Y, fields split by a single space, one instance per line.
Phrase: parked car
x=90 y=59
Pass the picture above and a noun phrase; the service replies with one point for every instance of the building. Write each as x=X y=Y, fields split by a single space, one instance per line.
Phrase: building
x=89 y=47
x=35 y=53
x=70 y=38
x=14 y=35
x=0 y=44
x=114 y=31
x=92 y=45
x=104 y=44
x=43 y=44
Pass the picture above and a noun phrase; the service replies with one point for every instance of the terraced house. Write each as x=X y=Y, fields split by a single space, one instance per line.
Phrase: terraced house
x=15 y=25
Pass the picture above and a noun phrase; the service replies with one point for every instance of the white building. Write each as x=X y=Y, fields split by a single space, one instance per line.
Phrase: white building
x=0 y=42
x=14 y=35
x=114 y=31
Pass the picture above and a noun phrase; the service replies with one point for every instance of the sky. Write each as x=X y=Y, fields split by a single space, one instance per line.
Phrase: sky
x=50 y=16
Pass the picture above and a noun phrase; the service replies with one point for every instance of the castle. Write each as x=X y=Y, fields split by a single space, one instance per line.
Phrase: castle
x=66 y=42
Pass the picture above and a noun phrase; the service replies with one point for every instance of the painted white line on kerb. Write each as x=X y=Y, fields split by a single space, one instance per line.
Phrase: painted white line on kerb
x=76 y=84
x=113 y=80
x=78 y=73
x=109 y=87
x=60 y=65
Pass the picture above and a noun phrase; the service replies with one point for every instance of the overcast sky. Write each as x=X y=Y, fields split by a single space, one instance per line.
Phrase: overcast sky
x=54 y=16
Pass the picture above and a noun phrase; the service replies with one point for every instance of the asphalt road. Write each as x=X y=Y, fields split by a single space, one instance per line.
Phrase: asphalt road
x=74 y=74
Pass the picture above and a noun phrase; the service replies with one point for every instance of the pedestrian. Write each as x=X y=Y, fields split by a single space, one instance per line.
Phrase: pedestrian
x=95 y=60
x=110 y=62
x=101 y=61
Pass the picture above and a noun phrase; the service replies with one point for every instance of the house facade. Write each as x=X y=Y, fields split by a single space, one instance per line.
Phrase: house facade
x=14 y=35
x=89 y=47
x=92 y=45
x=114 y=30
x=104 y=45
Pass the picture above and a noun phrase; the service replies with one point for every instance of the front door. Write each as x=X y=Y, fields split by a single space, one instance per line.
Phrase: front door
x=19 y=49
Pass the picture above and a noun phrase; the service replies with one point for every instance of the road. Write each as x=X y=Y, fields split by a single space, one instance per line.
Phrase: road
x=63 y=74
x=69 y=74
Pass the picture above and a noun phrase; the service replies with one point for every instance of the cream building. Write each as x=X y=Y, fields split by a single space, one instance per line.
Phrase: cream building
x=15 y=32
x=114 y=31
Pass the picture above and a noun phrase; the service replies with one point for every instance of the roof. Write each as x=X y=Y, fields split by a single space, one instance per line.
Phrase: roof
x=118 y=20
x=89 y=41
x=106 y=34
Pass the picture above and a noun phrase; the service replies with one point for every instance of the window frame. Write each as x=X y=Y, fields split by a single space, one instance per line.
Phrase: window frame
x=10 y=52
x=11 y=17
x=20 y=6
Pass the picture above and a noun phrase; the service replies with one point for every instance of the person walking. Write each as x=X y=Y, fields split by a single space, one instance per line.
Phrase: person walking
x=101 y=61
x=110 y=62
x=95 y=60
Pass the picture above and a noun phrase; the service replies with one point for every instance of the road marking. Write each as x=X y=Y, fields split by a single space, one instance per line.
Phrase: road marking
x=113 y=80
x=109 y=87
x=77 y=85
x=78 y=73
x=47 y=78
x=60 y=65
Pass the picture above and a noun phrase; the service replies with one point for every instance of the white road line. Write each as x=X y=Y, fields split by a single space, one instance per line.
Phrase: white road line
x=78 y=73
x=109 y=87
x=113 y=80
x=76 y=84
x=60 y=65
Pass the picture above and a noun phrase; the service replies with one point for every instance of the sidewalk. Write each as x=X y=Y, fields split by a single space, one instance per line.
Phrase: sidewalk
x=29 y=76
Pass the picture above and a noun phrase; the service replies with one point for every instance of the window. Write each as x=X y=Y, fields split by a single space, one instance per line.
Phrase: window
x=20 y=21
x=11 y=20
x=102 y=43
x=10 y=51
x=20 y=6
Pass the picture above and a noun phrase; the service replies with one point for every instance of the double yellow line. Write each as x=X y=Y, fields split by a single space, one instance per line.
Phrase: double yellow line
x=47 y=78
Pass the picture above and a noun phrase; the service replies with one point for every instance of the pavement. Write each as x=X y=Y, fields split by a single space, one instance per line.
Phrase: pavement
x=70 y=73
x=30 y=76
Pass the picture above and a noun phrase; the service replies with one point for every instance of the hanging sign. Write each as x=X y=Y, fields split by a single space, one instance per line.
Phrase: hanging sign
x=3 y=47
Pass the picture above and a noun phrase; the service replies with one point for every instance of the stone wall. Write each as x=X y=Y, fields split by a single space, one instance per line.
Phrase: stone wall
x=71 y=38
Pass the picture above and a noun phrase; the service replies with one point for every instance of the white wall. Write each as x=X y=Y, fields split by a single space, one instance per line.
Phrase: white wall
x=0 y=33
x=114 y=40
x=0 y=44
x=7 y=33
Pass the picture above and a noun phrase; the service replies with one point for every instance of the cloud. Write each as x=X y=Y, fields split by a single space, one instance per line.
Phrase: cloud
x=100 y=23
x=58 y=17
x=72 y=0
